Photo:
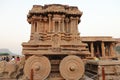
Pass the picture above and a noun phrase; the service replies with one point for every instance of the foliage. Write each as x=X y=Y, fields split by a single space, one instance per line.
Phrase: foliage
x=4 y=53
x=118 y=49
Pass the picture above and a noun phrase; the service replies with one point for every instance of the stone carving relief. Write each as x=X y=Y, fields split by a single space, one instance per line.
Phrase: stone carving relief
x=36 y=8
x=55 y=40
x=36 y=36
x=55 y=8
x=66 y=37
x=12 y=69
x=4 y=68
x=73 y=10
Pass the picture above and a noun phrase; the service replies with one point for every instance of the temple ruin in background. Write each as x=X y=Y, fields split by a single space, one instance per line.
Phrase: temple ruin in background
x=102 y=46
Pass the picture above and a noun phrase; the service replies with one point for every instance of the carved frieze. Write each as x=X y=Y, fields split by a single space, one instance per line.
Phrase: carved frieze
x=73 y=10
x=55 y=8
x=36 y=9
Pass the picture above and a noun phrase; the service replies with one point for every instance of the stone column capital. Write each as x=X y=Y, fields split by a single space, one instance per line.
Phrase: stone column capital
x=45 y=18
x=71 y=18
x=77 y=18
x=59 y=21
x=53 y=20
x=67 y=19
x=63 y=16
x=49 y=15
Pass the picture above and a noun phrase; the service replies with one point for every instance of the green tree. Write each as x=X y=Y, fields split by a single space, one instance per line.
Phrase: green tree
x=118 y=49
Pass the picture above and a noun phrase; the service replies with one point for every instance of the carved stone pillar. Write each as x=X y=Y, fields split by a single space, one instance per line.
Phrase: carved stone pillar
x=112 y=53
x=59 y=28
x=40 y=25
x=53 y=30
x=32 y=27
x=67 y=20
x=45 y=22
x=77 y=18
x=103 y=49
x=92 y=49
x=71 y=25
x=63 y=27
x=49 y=15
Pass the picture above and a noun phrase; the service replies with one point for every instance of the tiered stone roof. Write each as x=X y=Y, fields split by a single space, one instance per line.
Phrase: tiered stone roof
x=55 y=9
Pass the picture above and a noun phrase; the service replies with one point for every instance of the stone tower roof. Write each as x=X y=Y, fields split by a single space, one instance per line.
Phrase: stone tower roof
x=54 y=9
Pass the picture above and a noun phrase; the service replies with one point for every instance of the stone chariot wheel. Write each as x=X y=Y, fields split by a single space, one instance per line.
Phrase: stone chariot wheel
x=71 y=68
x=40 y=65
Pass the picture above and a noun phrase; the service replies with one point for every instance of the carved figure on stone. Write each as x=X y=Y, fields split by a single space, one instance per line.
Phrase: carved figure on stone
x=117 y=70
x=36 y=36
x=55 y=40
x=12 y=69
x=7 y=67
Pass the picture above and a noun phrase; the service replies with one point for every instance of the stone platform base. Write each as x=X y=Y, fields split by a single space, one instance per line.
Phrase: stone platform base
x=108 y=68
x=9 y=79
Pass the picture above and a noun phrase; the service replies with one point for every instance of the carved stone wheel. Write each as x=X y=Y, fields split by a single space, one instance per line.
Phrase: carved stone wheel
x=41 y=67
x=71 y=68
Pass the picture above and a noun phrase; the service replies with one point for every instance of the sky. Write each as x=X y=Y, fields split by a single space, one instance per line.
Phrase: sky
x=100 y=18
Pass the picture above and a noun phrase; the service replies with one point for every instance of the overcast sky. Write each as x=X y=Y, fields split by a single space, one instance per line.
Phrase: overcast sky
x=100 y=18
